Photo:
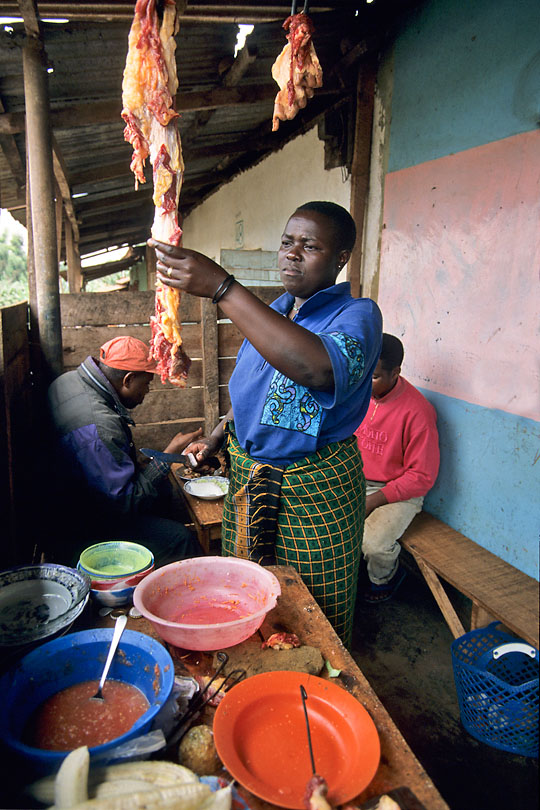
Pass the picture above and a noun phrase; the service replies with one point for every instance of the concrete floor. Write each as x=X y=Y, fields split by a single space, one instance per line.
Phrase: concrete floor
x=403 y=648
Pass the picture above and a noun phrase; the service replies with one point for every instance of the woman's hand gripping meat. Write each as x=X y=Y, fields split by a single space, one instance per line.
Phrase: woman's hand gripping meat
x=187 y=270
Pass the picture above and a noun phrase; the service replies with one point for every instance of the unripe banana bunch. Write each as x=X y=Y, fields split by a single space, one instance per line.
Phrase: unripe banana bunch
x=148 y=785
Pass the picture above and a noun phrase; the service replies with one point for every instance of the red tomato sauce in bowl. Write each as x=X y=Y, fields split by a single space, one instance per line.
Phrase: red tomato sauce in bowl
x=70 y=718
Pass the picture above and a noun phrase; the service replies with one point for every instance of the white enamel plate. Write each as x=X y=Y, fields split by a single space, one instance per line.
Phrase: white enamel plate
x=208 y=487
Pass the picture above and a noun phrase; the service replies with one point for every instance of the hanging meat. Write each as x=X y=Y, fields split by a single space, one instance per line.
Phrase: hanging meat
x=297 y=69
x=148 y=89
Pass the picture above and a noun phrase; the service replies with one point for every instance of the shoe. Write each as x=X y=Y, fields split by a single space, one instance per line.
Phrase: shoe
x=382 y=593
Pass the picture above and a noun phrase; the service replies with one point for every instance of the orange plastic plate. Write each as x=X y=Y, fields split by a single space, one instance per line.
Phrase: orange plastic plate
x=261 y=738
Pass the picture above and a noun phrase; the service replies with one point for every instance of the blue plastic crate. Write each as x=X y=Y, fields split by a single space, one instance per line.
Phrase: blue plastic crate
x=497 y=679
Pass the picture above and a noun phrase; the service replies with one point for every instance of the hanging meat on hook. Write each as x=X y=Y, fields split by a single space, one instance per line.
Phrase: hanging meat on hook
x=297 y=69
x=148 y=89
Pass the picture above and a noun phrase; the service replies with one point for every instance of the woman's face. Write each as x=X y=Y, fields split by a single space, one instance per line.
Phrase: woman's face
x=309 y=259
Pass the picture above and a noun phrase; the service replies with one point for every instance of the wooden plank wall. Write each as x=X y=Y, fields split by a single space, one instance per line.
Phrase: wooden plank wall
x=90 y=319
x=15 y=436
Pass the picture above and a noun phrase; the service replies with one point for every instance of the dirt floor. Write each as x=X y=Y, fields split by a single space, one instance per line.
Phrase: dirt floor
x=403 y=648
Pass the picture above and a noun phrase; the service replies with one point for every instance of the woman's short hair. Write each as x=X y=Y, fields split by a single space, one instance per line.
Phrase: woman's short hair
x=340 y=217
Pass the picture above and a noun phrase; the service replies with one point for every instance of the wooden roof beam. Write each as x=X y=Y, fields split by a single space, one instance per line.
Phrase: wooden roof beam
x=107 y=268
x=144 y=212
x=99 y=238
x=13 y=158
x=107 y=172
x=60 y=173
x=233 y=76
x=100 y=11
x=245 y=57
x=104 y=112
x=133 y=198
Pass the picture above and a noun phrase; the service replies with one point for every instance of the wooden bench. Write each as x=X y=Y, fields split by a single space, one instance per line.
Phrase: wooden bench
x=497 y=590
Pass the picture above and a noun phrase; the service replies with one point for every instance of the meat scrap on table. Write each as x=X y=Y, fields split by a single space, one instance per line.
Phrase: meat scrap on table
x=148 y=90
x=281 y=641
x=316 y=792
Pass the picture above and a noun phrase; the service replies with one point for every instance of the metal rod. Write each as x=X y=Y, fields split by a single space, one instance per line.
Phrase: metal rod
x=305 y=10
x=304 y=698
x=293 y=7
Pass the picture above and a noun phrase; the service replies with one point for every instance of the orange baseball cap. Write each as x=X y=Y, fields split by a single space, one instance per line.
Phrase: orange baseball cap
x=128 y=354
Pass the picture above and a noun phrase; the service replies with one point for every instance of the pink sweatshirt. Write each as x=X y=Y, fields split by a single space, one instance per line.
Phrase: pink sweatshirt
x=399 y=442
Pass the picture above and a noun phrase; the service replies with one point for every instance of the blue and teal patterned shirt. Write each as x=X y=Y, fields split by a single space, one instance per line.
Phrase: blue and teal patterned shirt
x=280 y=422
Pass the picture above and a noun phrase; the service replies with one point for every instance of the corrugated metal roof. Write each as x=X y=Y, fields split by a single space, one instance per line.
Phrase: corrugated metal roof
x=224 y=129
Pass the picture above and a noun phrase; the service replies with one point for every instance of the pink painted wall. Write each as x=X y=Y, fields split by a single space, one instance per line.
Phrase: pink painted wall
x=460 y=273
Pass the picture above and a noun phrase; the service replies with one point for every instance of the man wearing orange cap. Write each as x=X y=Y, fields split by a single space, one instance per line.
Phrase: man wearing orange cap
x=105 y=493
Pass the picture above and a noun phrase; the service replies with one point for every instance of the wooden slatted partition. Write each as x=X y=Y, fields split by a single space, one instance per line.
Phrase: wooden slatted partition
x=90 y=319
x=17 y=446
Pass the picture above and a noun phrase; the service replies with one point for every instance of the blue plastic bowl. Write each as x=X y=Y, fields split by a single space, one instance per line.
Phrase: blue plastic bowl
x=140 y=660
x=113 y=598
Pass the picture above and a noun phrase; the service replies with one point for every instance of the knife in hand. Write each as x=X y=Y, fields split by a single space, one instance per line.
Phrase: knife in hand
x=189 y=460
x=170 y=458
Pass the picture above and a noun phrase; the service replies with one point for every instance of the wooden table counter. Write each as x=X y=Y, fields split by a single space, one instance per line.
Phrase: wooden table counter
x=205 y=514
x=297 y=612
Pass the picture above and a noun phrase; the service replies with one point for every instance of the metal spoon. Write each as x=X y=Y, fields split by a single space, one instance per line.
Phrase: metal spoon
x=118 y=630
x=304 y=698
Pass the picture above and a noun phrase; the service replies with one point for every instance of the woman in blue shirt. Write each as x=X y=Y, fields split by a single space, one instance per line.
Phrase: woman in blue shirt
x=301 y=384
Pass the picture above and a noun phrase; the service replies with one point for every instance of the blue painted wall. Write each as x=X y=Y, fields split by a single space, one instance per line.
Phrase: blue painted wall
x=488 y=483
x=467 y=74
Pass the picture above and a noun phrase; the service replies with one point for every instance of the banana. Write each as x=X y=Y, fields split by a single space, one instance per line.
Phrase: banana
x=147 y=785
x=188 y=796
x=219 y=800
x=71 y=783
x=156 y=772
x=119 y=786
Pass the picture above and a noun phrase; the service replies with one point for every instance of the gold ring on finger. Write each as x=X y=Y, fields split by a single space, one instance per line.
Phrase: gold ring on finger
x=169 y=271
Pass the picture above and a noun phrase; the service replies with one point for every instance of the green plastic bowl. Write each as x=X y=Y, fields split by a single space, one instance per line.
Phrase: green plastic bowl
x=115 y=558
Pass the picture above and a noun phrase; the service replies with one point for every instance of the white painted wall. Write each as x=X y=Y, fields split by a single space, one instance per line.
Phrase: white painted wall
x=264 y=197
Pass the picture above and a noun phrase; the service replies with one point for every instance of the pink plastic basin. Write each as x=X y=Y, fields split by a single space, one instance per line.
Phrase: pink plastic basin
x=207 y=603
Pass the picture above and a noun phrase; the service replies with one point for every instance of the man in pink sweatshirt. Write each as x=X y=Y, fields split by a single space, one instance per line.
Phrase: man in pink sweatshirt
x=399 y=443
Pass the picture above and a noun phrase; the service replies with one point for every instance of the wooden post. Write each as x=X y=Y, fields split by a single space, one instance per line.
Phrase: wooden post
x=74 y=272
x=373 y=227
x=30 y=264
x=360 y=168
x=39 y=156
x=210 y=364
x=36 y=356
x=59 y=209
x=150 y=256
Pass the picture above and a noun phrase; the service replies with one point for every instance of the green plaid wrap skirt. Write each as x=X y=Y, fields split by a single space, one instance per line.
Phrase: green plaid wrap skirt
x=309 y=515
